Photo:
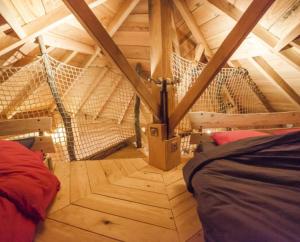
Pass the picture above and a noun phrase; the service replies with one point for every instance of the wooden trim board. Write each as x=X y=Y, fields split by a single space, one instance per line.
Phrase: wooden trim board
x=23 y=126
x=221 y=120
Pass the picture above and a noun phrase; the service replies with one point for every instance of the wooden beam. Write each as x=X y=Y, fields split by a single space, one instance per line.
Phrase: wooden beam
x=58 y=41
x=11 y=20
x=175 y=40
x=123 y=12
x=40 y=25
x=21 y=126
x=290 y=35
x=113 y=26
x=20 y=53
x=240 y=31
x=262 y=65
x=92 y=25
x=221 y=120
x=160 y=18
x=199 y=50
x=192 y=25
x=266 y=37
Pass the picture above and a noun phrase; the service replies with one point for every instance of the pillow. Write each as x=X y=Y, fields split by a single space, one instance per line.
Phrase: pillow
x=25 y=180
x=230 y=136
x=285 y=131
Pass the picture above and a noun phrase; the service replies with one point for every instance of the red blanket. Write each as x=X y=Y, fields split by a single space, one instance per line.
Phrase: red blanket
x=26 y=190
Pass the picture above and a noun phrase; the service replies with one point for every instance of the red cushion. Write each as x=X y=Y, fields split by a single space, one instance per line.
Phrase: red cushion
x=24 y=179
x=230 y=136
x=285 y=131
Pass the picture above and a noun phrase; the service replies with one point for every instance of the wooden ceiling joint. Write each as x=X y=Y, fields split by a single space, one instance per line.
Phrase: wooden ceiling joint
x=92 y=25
x=266 y=37
x=234 y=39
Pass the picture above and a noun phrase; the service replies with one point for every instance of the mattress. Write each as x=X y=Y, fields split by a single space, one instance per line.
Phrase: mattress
x=248 y=190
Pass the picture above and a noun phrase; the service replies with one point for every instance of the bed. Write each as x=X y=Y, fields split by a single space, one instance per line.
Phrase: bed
x=248 y=189
x=27 y=187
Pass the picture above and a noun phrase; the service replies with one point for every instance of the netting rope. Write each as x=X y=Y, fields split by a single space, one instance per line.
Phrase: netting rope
x=86 y=120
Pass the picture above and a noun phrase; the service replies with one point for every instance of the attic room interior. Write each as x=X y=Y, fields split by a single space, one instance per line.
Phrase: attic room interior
x=149 y=120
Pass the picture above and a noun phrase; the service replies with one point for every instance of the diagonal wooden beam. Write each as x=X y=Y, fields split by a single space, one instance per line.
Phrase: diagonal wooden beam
x=40 y=25
x=262 y=65
x=92 y=25
x=123 y=12
x=192 y=25
x=266 y=37
x=11 y=20
x=234 y=39
x=290 y=35
x=58 y=41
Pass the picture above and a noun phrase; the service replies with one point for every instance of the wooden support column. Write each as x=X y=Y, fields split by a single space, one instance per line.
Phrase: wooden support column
x=60 y=106
x=160 y=19
x=234 y=39
x=164 y=152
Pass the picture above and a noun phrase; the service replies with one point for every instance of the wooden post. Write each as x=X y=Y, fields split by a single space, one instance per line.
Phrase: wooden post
x=60 y=106
x=164 y=152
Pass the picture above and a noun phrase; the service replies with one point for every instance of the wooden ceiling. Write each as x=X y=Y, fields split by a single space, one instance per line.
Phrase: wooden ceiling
x=271 y=52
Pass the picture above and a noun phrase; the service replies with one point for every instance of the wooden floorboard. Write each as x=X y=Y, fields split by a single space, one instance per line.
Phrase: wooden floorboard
x=113 y=226
x=120 y=198
x=136 y=211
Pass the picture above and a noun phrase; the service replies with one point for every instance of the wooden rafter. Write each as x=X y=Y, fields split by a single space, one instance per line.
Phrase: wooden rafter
x=113 y=26
x=92 y=25
x=63 y=42
x=234 y=39
x=266 y=37
x=290 y=35
x=123 y=12
x=262 y=65
x=40 y=25
x=175 y=40
x=11 y=20
x=192 y=25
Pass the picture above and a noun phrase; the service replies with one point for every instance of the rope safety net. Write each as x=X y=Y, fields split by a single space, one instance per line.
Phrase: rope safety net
x=92 y=108
x=231 y=91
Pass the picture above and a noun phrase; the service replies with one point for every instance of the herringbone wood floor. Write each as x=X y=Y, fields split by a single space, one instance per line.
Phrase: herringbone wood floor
x=120 y=199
